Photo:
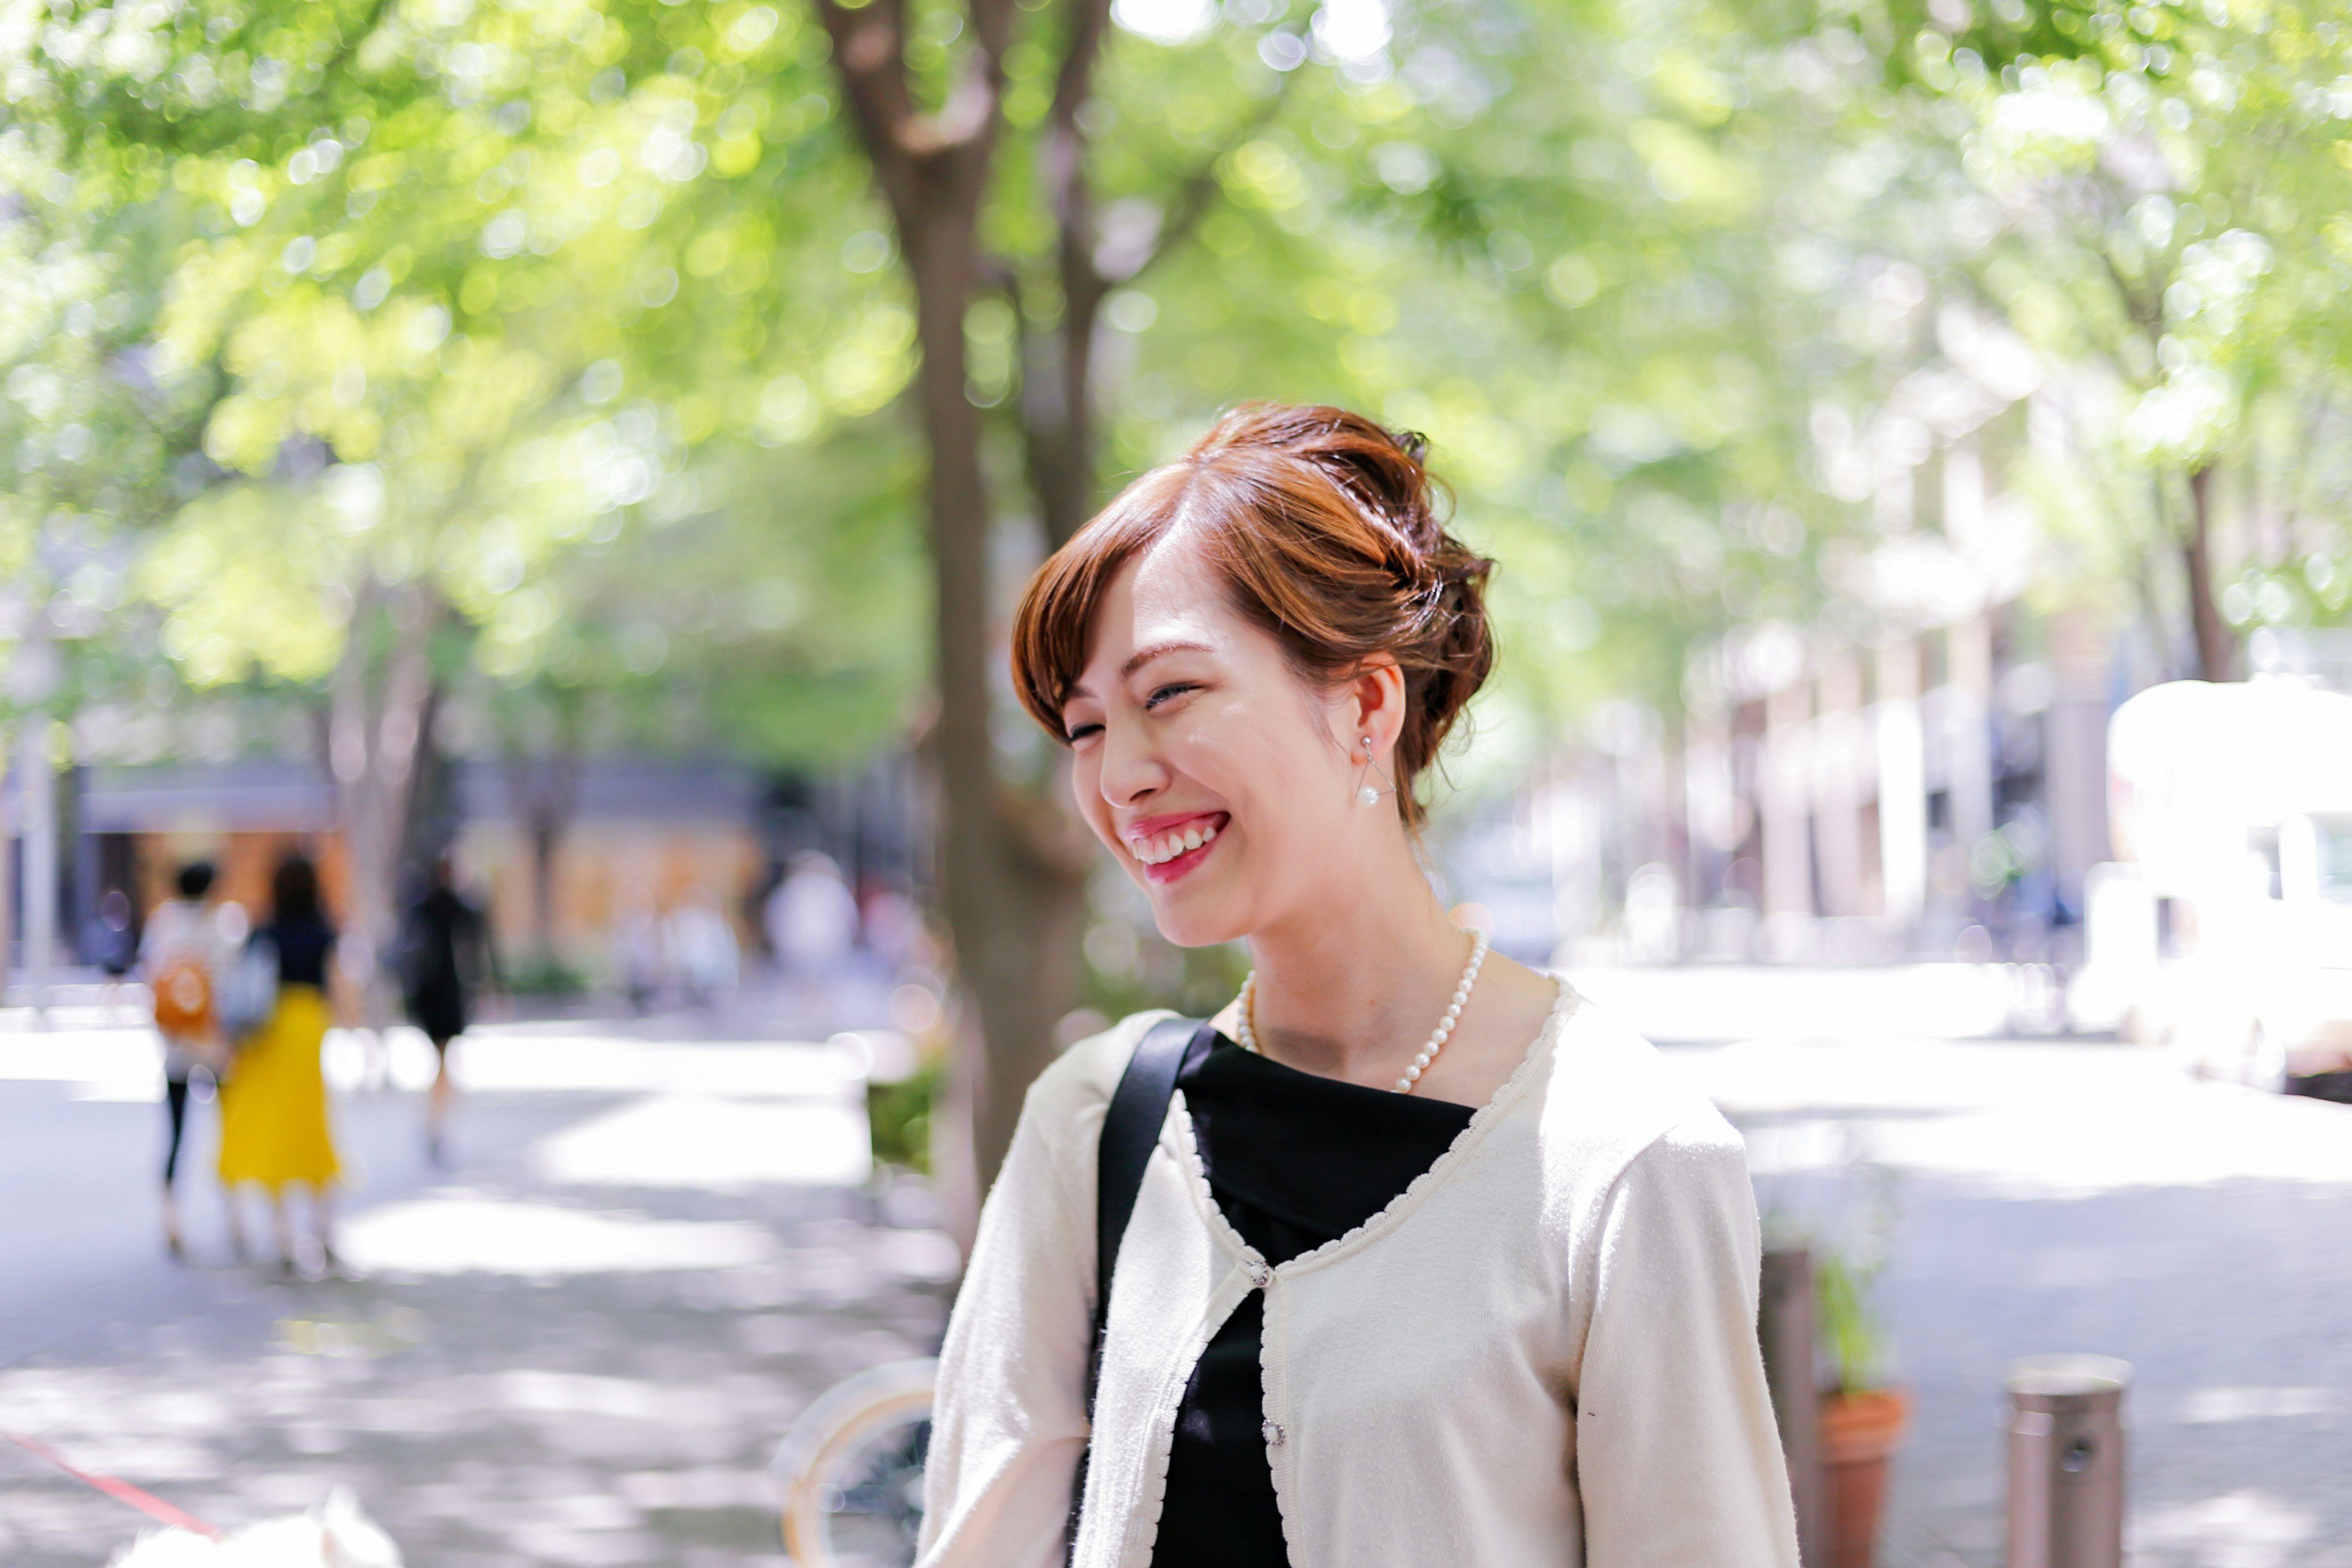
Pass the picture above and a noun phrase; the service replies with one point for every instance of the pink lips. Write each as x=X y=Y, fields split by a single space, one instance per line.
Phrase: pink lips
x=1169 y=835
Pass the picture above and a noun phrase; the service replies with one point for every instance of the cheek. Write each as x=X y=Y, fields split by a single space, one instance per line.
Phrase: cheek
x=1085 y=788
x=1261 y=757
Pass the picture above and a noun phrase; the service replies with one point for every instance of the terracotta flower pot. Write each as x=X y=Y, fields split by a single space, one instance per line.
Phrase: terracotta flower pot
x=1860 y=1433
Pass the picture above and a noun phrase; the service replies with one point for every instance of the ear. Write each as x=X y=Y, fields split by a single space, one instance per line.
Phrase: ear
x=1373 y=703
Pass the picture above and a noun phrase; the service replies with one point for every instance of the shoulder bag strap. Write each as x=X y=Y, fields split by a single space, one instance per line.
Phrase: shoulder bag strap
x=1131 y=1131
x=1139 y=1108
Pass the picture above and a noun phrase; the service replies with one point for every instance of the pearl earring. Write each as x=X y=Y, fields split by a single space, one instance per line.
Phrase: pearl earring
x=1367 y=794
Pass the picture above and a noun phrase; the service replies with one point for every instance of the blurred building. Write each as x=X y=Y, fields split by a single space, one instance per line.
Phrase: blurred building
x=619 y=833
x=563 y=852
x=1939 y=793
x=1942 y=792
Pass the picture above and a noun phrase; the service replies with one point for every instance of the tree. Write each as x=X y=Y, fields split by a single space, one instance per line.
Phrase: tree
x=418 y=405
x=2135 y=191
x=940 y=117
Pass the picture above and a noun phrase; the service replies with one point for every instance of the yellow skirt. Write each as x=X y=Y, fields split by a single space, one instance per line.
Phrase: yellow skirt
x=274 y=1106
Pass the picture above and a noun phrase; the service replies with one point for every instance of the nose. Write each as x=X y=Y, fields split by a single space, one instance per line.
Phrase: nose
x=1132 y=769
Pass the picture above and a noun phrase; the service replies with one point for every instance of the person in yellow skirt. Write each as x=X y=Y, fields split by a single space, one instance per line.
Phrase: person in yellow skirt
x=273 y=1131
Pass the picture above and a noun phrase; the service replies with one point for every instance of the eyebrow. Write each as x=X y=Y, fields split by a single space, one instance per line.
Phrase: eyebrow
x=1136 y=661
x=1142 y=656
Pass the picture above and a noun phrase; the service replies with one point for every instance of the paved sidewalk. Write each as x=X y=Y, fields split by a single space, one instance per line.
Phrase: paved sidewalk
x=2054 y=1196
x=577 y=1347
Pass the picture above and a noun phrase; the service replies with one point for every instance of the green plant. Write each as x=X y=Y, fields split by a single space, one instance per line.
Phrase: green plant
x=1852 y=1332
x=545 y=978
x=899 y=1115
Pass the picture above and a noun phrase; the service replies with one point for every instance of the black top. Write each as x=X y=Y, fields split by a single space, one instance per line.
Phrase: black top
x=1294 y=1161
x=302 y=949
x=444 y=943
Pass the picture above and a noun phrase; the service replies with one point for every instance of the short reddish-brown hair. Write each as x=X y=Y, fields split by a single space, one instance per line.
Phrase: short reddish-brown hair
x=1325 y=528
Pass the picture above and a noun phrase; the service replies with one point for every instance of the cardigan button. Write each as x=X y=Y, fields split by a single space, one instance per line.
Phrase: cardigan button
x=1259 y=1273
x=1272 y=1434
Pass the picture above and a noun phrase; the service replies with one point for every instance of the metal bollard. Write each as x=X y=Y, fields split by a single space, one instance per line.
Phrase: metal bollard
x=2066 y=1462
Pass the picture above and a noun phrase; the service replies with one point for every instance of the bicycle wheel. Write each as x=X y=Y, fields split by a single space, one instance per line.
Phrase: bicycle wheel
x=852 y=1470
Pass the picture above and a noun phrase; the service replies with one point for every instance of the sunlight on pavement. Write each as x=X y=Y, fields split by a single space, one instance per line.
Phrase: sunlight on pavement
x=103 y=1064
x=401 y=1053
x=627 y=1398
x=2208 y=1406
x=2027 y=1120
x=1733 y=1002
x=703 y=1488
x=1902 y=1067
x=2240 y=1529
x=487 y=1060
x=726 y=1145
x=126 y=1063
x=461 y=1234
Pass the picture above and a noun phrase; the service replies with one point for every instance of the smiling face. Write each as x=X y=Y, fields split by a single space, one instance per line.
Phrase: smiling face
x=1223 y=783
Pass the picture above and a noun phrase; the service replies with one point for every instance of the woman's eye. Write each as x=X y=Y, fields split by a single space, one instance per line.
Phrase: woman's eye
x=1168 y=693
x=1078 y=732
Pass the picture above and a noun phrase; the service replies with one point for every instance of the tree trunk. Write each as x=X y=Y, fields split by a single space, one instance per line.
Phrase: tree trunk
x=1012 y=905
x=1057 y=418
x=542 y=792
x=1057 y=392
x=2217 y=646
x=1012 y=910
x=1011 y=866
x=374 y=730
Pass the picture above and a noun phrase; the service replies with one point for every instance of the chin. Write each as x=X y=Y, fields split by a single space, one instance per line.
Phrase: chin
x=1190 y=921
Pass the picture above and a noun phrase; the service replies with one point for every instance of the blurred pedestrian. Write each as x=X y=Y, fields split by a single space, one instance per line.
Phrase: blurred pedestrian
x=893 y=928
x=445 y=958
x=273 y=1131
x=183 y=956
x=703 y=951
x=108 y=943
x=637 y=956
x=811 y=918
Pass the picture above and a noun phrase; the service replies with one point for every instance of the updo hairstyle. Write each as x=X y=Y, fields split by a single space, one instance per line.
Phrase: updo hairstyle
x=1325 y=529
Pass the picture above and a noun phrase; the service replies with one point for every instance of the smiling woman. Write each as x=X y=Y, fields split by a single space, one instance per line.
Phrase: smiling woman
x=1429 y=1261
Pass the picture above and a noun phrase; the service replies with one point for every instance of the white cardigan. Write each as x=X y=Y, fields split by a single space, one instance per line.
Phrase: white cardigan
x=1543 y=1353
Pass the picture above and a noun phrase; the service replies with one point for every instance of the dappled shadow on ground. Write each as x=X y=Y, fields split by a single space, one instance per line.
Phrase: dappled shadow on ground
x=579 y=1348
x=2038 y=1198
x=2227 y=1301
x=520 y=1410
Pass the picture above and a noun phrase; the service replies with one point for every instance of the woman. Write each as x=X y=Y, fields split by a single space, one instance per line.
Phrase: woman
x=185 y=955
x=274 y=1128
x=1431 y=1263
x=448 y=954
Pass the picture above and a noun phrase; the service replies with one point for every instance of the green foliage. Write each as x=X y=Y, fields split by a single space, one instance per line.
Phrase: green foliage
x=899 y=1115
x=457 y=295
x=581 y=313
x=1129 y=971
x=545 y=976
x=1852 y=1332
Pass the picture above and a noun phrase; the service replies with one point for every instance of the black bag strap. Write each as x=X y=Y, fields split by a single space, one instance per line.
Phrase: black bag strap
x=1131 y=1129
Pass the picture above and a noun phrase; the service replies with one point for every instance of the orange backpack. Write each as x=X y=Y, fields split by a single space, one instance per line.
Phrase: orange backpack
x=183 y=999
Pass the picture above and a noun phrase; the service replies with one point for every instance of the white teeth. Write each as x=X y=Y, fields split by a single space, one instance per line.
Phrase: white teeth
x=1160 y=850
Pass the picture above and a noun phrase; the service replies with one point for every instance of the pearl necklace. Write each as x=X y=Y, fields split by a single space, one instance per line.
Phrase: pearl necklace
x=1245 y=1036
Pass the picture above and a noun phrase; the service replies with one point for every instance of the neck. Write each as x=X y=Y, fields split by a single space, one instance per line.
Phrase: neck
x=1351 y=987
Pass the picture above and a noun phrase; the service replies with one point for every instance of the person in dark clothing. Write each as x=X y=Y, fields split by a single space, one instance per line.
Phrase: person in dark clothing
x=448 y=957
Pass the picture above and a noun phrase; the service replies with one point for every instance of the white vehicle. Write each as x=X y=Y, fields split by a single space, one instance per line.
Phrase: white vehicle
x=2226 y=928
